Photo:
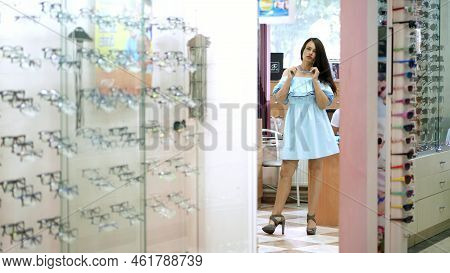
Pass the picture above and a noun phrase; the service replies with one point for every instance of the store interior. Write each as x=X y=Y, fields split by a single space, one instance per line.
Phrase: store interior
x=412 y=218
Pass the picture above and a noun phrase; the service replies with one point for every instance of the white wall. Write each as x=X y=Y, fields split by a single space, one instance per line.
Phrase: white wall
x=228 y=193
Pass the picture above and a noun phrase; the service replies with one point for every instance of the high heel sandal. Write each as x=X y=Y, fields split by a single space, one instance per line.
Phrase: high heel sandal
x=310 y=231
x=277 y=220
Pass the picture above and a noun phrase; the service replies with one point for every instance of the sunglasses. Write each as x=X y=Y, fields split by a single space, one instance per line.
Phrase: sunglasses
x=408 y=193
x=407 y=127
x=408 y=75
x=411 y=62
x=407 y=179
x=406 y=220
x=405 y=207
x=405 y=115
x=407 y=140
x=406 y=101
x=406 y=166
x=179 y=125
x=409 y=155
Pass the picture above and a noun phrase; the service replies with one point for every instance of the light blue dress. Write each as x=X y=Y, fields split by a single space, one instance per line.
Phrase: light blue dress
x=307 y=129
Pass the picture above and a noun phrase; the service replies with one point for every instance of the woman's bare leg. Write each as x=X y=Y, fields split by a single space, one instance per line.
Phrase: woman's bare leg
x=314 y=186
x=288 y=168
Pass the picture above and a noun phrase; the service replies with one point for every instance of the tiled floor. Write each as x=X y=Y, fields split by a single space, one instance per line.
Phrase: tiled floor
x=437 y=244
x=295 y=239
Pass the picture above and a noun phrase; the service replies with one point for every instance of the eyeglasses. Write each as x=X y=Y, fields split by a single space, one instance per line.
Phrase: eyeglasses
x=426 y=100
x=63 y=104
x=98 y=219
x=66 y=234
x=182 y=202
x=430 y=57
x=98 y=59
x=406 y=166
x=10 y=141
x=110 y=226
x=8 y=186
x=67 y=192
x=425 y=111
x=170 y=61
x=119 y=169
x=432 y=26
x=11 y=52
x=405 y=115
x=13 y=228
x=90 y=173
x=407 y=179
x=431 y=120
x=88 y=213
x=120 y=207
x=425 y=89
x=29 y=199
x=407 y=127
x=125 y=176
x=52 y=224
x=159 y=207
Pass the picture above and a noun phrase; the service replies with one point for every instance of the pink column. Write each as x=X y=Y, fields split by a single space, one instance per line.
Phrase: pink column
x=358 y=84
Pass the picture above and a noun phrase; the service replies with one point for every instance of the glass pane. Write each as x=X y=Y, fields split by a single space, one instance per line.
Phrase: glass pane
x=107 y=211
x=444 y=122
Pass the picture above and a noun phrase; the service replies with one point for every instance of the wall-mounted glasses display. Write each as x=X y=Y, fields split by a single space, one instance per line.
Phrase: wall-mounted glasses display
x=104 y=83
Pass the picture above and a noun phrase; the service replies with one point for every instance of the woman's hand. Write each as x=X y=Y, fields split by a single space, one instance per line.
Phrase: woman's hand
x=291 y=72
x=315 y=72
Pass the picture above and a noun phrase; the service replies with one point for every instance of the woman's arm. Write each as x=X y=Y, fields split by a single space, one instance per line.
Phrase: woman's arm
x=284 y=91
x=321 y=98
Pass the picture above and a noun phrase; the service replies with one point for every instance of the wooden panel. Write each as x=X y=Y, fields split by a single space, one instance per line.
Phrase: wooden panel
x=327 y=213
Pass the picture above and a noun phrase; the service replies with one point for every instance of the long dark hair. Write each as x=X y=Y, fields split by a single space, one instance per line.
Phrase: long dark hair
x=321 y=62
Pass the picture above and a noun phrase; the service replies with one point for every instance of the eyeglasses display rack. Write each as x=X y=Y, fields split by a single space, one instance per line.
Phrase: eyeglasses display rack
x=413 y=100
x=99 y=147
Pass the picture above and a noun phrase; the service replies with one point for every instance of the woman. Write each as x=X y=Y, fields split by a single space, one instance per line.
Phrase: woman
x=308 y=89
